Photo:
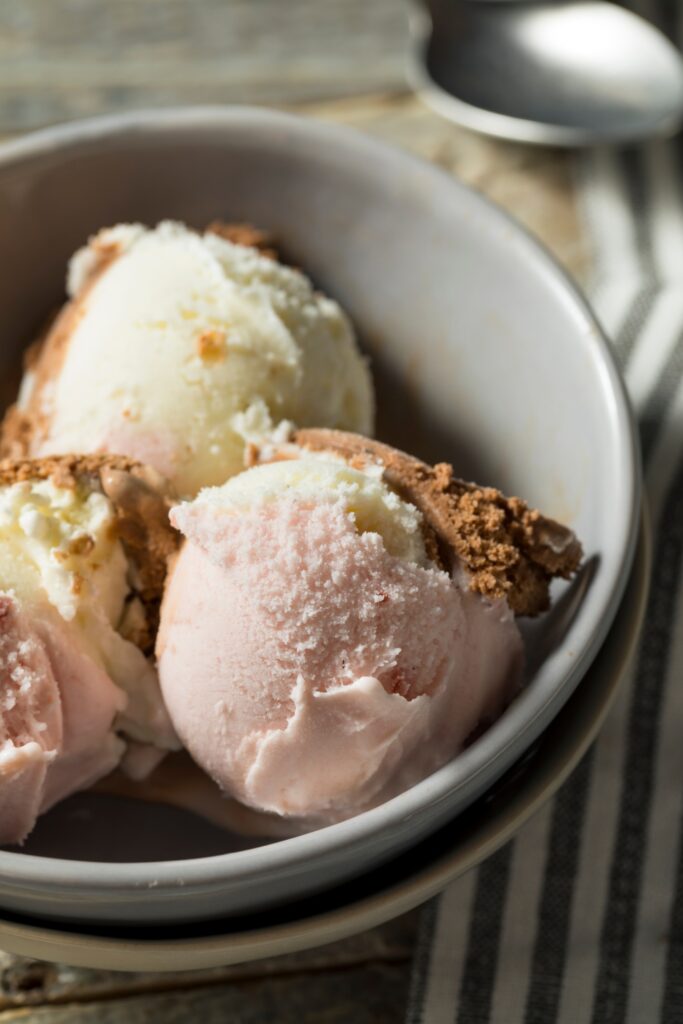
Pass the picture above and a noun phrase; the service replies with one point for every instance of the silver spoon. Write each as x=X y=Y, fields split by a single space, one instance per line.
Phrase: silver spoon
x=557 y=72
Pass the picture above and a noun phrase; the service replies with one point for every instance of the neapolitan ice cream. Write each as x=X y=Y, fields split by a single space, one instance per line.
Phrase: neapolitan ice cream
x=176 y=346
x=84 y=546
x=341 y=620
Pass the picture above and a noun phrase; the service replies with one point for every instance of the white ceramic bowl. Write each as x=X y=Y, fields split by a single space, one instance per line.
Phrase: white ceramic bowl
x=485 y=356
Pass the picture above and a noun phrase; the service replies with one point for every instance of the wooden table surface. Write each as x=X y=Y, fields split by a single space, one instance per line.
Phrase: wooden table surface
x=344 y=61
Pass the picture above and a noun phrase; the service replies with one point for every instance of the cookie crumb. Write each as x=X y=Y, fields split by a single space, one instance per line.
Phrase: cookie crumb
x=244 y=234
x=211 y=345
x=507 y=549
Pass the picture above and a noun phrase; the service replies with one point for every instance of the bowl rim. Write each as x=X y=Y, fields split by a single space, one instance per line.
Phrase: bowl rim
x=185 y=877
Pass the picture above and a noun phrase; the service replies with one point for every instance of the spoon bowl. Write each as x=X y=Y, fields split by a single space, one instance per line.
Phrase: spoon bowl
x=562 y=73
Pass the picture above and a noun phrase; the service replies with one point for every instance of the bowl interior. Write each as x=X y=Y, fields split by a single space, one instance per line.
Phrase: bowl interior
x=484 y=356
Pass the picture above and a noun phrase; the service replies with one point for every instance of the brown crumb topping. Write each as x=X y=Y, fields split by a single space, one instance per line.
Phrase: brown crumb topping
x=211 y=345
x=244 y=234
x=506 y=548
x=141 y=499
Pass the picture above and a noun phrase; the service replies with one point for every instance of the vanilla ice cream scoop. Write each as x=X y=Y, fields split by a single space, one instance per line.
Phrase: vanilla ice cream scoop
x=324 y=642
x=176 y=347
x=84 y=545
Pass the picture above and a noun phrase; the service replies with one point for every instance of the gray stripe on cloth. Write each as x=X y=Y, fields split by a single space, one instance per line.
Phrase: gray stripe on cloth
x=659 y=870
x=672 y=1004
x=655 y=410
x=595 y=858
x=632 y=168
x=657 y=342
x=620 y=914
x=547 y=972
x=639 y=312
x=454 y=912
x=635 y=178
x=518 y=933
x=420 y=973
x=481 y=960
x=603 y=202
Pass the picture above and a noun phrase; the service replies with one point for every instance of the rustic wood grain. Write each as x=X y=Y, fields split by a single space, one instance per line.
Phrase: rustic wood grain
x=28 y=983
x=343 y=61
x=61 y=59
x=371 y=994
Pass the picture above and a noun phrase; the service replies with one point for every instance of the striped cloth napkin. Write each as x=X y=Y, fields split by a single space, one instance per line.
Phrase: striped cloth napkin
x=579 y=919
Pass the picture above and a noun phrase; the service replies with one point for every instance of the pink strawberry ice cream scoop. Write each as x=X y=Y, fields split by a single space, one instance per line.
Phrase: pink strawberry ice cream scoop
x=83 y=550
x=57 y=709
x=321 y=647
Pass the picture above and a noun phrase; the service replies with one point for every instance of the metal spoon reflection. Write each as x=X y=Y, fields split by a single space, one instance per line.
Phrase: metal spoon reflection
x=563 y=73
